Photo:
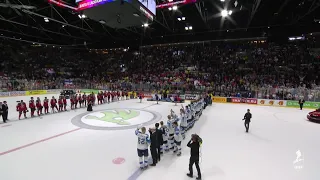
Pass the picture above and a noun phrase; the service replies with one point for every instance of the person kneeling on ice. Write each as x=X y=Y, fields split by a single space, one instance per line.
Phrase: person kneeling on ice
x=177 y=139
x=142 y=148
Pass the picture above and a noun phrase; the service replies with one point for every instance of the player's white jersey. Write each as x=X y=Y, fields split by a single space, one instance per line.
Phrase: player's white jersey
x=173 y=115
x=170 y=125
x=165 y=131
x=183 y=120
x=143 y=140
x=177 y=134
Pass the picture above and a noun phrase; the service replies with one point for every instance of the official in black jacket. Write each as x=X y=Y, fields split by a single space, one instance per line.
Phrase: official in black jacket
x=301 y=102
x=159 y=139
x=247 y=120
x=1 y=113
x=153 y=146
x=194 y=144
x=5 y=111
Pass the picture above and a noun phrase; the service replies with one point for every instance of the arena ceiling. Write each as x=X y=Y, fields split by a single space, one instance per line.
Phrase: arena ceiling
x=24 y=19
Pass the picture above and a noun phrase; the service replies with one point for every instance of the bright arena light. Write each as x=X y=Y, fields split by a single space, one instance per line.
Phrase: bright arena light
x=190 y=27
x=179 y=19
x=224 y=13
x=230 y=12
x=174 y=8
x=145 y=25
x=170 y=8
x=186 y=28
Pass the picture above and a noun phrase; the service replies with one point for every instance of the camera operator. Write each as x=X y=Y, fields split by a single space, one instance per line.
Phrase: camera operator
x=194 y=144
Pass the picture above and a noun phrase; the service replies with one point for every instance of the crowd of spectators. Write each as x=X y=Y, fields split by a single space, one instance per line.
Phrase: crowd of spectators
x=257 y=69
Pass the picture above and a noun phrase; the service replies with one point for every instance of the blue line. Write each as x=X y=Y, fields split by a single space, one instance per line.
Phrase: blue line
x=136 y=174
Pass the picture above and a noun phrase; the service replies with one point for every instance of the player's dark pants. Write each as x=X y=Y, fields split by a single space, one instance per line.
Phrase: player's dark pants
x=5 y=116
x=246 y=124
x=301 y=106
x=194 y=160
x=154 y=155
x=159 y=152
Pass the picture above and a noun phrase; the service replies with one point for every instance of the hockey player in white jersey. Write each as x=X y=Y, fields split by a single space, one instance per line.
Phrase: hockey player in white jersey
x=173 y=115
x=177 y=139
x=183 y=122
x=171 y=131
x=143 y=143
x=189 y=117
x=165 y=134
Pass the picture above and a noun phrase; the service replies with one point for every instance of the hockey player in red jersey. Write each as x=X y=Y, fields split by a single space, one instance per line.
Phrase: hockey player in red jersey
x=64 y=103
x=46 y=105
x=118 y=95
x=140 y=96
x=72 y=102
x=93 y=99
x=32 y=107
x=80 y=100
x=123 y=93
x=53 y=103
x=22 y=108
x=76 y=101
x=100 y=98
x=84 y=98
x=109 y=96
x=60 y=104
x=39 y=106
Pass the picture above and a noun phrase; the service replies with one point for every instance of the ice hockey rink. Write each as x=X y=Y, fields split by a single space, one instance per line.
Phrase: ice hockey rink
x=75 y=145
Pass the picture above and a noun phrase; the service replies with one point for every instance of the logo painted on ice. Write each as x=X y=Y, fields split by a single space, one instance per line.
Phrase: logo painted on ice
x=119 y=116
x=298 y=162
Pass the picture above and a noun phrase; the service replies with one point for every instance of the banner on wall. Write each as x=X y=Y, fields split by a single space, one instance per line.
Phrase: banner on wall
x=244 y=100
x=307 y=104
x=272 y=102
x=219 y=99
x=4 y=94
x=36 y=92
x=191 y=96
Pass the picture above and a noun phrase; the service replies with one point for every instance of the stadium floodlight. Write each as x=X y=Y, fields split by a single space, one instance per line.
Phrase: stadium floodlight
x=179 y=19
x=83 y=16
x=186 y=28
x=46 y=19
x=224 y=13
x=170 y=0
x=222 y=0
x=79 y=16
x=183 y=18
x=170 y=8
x=145 y=25
x=190 y=27
x=230 y=12
x=174 y=8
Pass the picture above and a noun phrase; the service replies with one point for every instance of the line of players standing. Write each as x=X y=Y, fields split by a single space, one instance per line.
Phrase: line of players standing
x=60 y=104
x=169 y=136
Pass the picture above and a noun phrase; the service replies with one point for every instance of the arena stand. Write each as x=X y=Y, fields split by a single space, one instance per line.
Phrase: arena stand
x=233 y=69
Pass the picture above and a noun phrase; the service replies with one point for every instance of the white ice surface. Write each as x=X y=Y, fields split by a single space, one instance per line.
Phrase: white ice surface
x=267 y=152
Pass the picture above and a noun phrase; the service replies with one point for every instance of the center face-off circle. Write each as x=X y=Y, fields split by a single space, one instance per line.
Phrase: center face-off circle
x=115 y=119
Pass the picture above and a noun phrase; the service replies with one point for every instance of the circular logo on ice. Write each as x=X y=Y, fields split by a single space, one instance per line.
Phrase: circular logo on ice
x=115 y=119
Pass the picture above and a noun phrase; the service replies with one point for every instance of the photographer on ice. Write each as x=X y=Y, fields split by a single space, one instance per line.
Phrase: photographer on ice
x=194 y=144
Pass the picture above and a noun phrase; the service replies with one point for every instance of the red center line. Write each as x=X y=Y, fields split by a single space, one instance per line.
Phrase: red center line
x=6 y=125
x=37 y=142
